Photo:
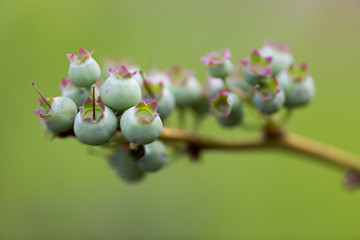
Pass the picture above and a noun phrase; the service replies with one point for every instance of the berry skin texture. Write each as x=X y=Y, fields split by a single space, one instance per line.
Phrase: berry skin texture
x=298 y=85
x=154 y=158
x=141 y=124
x=120 y=91
x=227 y=109
x=124 y=162
x=60 y=117
x=85 y=72
x=96 y=131
x=269 y=98
x=280 y=54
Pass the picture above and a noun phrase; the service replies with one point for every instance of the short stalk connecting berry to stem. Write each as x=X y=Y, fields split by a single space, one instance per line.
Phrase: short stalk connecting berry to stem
x=41 y=95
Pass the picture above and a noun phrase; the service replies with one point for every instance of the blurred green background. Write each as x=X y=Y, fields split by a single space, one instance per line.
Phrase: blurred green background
x=56 y=190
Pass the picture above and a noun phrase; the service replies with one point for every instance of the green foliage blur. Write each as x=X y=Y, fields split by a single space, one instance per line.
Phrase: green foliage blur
x=57 y=190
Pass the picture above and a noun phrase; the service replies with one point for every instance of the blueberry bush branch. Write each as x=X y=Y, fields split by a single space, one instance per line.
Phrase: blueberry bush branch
x=126 y=113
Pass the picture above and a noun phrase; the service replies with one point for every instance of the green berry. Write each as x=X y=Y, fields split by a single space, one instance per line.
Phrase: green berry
x=184 y=86
x=269 y=97
x=280 y=54
x=141 y=124
x=256 y=68
x=59 y=117
x=78 y=95
x=124 y=162
x=298 y=85
x=154 y=158
x=95 y=123
x=219 y=64
x=120 y=91
x=227 y=109
x=84 y=72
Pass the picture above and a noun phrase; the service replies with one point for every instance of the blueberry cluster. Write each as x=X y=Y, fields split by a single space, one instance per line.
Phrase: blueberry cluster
x=134 y=104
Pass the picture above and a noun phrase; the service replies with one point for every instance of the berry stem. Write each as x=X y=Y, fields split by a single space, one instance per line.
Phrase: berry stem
x=93 y=98
x=146 y=85
x=42 y=96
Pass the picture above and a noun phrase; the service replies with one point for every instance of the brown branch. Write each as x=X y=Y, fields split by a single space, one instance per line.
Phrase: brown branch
x=288 y=141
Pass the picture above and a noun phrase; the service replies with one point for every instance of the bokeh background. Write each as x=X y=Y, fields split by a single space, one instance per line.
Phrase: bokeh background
x=56 y=190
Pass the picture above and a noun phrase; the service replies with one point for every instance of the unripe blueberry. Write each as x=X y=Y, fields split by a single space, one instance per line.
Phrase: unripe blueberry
x=59 y=117
x=166 y=103
x=83 y=72
x=280 y=54
x=256 y=68
x=155 y=91
x=184 y=86
x=124 y=162
x=95 y=123
x=120 y=91
x=141 y=124
x=154 y=158
x=227 y=109
x=269 y=97
x=298 y=85
x=202 y=106
x=156 y=76
x=116 y=63
x=214 y=86
x=219 y=64
x=237 y=83
x=78 y=95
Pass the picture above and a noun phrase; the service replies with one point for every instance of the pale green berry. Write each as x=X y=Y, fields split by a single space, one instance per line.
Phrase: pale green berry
x=78 y=95
x=141 y=124
x=120 y=91
x=280 y=54
x=124 y=162
x=227 y=109
x=269 y=97
x=59 y=117
x=95 y=130
x=298 y=85
x=184 y=86
x=256 y=68
x=84 y=72
x=155 y=157
x=219 y=64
